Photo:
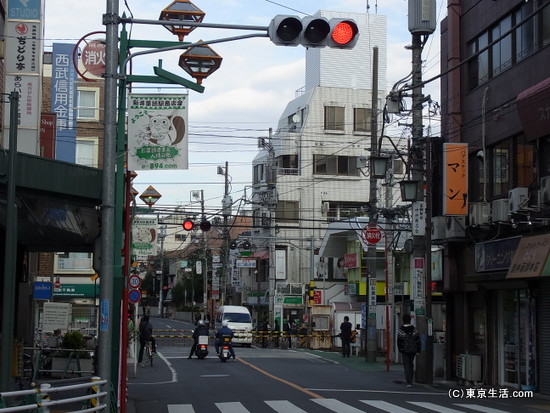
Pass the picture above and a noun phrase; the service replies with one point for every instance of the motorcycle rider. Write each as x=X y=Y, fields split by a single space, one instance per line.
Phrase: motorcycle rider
x=201 y=330
x=224 y=331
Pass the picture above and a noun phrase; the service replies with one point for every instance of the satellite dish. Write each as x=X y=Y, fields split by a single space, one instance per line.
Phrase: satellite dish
x=296 y=118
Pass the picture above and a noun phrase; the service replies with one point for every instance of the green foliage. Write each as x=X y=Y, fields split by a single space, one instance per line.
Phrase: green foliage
x=72 y=340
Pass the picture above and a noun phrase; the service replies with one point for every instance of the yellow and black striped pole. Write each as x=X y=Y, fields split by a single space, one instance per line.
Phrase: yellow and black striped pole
x=44 y=396
x=94 y=402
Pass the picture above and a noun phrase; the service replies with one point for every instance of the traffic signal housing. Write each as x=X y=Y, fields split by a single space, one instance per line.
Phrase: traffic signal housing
x=287 y=30
x=188 y=225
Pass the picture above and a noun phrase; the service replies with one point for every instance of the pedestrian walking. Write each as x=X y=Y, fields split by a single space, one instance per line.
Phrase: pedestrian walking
x=345 y=335
x=408 y=343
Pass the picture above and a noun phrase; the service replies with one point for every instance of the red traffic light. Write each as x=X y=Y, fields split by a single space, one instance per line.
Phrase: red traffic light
x=343 y=34
x=188 y=225
x=313 y=31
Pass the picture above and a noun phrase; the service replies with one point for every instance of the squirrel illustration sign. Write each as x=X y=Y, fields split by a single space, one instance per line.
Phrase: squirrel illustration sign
x=157 y=132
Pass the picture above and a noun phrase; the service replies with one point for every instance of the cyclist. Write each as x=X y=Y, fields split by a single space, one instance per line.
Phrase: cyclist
x=224 y=331
x=145 y=335
x=201 y=330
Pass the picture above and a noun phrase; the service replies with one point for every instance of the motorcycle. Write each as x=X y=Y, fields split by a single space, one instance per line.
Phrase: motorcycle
x=225 y=354
x=202 y=347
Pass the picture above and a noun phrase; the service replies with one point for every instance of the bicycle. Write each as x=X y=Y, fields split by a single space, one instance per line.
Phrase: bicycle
x=149 y=352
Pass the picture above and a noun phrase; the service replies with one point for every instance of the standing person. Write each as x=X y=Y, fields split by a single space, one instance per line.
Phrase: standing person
x=286 y=329
x=276 y=332
x=201 y=330
x=408 y=343
x=145 y=335
x=345 y=334
x=224 y=331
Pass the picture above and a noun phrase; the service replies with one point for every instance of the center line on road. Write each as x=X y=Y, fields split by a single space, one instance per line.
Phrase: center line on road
x=300 y=388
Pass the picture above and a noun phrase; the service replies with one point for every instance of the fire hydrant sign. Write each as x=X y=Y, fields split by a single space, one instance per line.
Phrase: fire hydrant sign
x=157 y=132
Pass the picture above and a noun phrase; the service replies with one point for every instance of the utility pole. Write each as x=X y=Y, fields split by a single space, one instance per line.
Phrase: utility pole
x=373 y=219
x=422 y=22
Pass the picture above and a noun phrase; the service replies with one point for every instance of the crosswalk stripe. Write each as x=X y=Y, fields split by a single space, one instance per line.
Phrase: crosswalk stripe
x=337 y=406
x=284 y=406
x=232 y=407
x=436 y=407
x=180 y=408
x=387 y=407
x=479 y=408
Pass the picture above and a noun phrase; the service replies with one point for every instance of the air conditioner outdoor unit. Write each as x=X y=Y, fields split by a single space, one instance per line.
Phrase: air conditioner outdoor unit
x=545 y=190
x=499 y=211
x=518 y=199
x=438 y=228
x=468 y=367
x=455 y=227
x=479 y=214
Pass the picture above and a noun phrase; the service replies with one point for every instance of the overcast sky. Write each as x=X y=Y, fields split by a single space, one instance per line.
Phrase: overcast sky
x=247 y=95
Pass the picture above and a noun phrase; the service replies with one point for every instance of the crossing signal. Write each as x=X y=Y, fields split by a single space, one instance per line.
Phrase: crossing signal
x=205 y=225
x=285 y=30
x=188 y=225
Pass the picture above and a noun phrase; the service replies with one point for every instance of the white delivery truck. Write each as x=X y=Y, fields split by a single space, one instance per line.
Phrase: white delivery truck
x=239 y=320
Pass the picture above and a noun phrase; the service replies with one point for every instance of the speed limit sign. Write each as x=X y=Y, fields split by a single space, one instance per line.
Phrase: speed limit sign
x=134 y=281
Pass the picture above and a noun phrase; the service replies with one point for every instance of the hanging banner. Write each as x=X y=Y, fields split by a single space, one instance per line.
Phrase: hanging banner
x=157 y=132
x=455 y=178
x=144 y=237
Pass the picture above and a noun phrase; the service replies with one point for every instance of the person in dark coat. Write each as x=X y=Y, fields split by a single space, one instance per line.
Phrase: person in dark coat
x=201 y=330
x=145 y=335
x=405 y=333
x=345 y=335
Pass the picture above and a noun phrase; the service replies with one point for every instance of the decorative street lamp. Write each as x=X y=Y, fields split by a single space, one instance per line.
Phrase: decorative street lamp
x=181 y=11
x=150 y=196
x=378 y=166
x=200 y=61
x=409 y=190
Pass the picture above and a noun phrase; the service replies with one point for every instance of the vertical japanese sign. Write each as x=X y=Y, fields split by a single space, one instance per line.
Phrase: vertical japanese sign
x=455 y=178
x=418 y=289
x=157 y=132
x=64 y=100
x=23 y=71
x=144 y=237
x=280 y=264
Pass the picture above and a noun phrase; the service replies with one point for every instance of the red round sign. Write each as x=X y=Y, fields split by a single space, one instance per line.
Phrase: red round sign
x=373 y=235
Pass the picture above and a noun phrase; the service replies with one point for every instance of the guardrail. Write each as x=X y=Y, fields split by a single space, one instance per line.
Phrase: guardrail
x=40 y=399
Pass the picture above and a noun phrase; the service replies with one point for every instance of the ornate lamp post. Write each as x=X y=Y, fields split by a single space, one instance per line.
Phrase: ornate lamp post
x=150 y=196
x=200 y=62
x=181 y=11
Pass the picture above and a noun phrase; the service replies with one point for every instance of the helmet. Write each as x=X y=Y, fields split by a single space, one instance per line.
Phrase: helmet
x=201 y=322
x=225 y=323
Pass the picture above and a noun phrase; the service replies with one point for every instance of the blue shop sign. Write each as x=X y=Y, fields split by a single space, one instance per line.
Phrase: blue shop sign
x=495 y=255
x=42 y=291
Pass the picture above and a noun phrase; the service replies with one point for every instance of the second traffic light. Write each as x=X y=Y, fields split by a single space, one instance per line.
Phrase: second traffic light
x=286 y=30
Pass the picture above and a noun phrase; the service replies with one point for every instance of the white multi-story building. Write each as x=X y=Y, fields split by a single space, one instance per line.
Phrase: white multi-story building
x=311 y=171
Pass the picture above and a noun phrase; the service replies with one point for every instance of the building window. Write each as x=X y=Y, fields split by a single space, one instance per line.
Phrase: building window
x=258 y=174
x=73 y=262
x=362 y=119
x=525 y=164
x=88 y=104
x=335 y=165
x=180 y=237
x=501 y=168
x=334 y=118
x=532 y=34
x=287 y=211
x=87 y=152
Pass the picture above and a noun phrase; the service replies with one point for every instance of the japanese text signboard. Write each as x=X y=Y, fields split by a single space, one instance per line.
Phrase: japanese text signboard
x=455 y=178
x=157 y=132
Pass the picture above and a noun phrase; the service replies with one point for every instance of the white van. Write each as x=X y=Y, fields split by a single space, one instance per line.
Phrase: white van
x=239 y=320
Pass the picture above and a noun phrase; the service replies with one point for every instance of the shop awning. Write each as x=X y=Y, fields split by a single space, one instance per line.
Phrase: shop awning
x=532 y=105
x=261 y=255
x=530 y=258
